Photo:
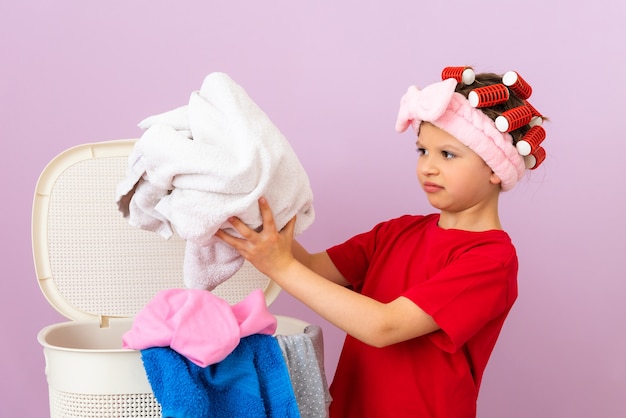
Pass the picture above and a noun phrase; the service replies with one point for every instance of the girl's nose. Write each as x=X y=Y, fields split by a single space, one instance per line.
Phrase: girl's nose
x=426 y=166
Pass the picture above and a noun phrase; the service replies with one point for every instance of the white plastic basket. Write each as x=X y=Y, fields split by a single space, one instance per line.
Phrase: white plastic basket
x=98 y=271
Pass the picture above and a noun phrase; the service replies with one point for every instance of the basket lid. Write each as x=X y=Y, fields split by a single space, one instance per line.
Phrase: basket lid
x=90 y=263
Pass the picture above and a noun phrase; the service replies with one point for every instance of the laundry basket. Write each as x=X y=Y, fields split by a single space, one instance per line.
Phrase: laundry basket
x=98 y=271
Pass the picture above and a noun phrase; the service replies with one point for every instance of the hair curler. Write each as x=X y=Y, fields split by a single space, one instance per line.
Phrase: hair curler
x=463 y=75
x=513 y=119
x=515 y=82
x=531 y=140
x=537 y=118
x=534 y=160
x=488 y=96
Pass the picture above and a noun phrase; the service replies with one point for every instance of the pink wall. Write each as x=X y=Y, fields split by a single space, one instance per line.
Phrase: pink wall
x=330 y=76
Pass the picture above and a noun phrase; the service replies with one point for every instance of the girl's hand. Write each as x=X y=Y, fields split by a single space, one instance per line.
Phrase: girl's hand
x=269 y=250
x=375 y=323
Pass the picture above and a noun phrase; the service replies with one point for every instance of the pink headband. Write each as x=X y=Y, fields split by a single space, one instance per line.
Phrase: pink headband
x=440 y=105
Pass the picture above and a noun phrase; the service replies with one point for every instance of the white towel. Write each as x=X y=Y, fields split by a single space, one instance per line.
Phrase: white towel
x=199 y=164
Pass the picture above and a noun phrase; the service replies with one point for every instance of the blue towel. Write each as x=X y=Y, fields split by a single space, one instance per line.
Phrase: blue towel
x=252 y=381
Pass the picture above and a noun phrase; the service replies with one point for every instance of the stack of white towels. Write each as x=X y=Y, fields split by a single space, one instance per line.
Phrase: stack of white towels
x=197 y=165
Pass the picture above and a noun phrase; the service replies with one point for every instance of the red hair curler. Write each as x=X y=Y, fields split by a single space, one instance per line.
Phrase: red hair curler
x=535 y=159
x=515 y=82
x=531 y=140
x=488 y=96
x=463 y=75
x=537 y=118
x=513 y=119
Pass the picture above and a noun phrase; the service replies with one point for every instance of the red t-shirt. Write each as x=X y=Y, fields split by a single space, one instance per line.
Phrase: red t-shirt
x=467 y=281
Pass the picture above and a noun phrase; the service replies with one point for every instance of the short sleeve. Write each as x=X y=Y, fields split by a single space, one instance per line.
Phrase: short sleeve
x=352 y=257
x=466 y=295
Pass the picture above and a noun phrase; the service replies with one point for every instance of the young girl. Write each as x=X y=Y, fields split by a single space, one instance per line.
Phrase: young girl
x=421 y=298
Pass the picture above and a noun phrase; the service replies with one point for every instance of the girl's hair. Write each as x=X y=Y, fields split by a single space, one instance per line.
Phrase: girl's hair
x=487 y=79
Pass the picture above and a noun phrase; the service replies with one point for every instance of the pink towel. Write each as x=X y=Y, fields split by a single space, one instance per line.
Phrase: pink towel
x=198 y=325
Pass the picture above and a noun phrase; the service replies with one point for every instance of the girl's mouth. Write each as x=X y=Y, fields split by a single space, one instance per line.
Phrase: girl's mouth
x=431 y=187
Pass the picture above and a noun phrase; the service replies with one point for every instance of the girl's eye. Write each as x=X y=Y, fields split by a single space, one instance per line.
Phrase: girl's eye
x=447 y=155
x=422 y=151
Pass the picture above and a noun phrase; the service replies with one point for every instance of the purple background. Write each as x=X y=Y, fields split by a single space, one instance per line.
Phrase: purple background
x=330 y=76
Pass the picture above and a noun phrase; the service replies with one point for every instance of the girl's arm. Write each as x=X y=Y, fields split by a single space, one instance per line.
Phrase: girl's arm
x=315 y=281
x=320 y=263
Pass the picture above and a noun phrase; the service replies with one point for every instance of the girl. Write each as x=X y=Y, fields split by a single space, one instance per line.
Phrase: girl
x=421 y=298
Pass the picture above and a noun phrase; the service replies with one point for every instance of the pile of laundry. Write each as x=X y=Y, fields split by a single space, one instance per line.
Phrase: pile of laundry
x=205 y=358
x=193 y=168
x=199 y=164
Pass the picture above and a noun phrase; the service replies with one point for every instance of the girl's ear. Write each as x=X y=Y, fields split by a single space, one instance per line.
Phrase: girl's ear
x=494 y=179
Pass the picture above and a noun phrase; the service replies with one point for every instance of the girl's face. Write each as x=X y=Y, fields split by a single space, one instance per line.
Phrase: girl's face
x=454 y=178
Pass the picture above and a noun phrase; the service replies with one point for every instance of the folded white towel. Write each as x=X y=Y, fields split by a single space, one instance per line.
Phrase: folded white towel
x=197 y=165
